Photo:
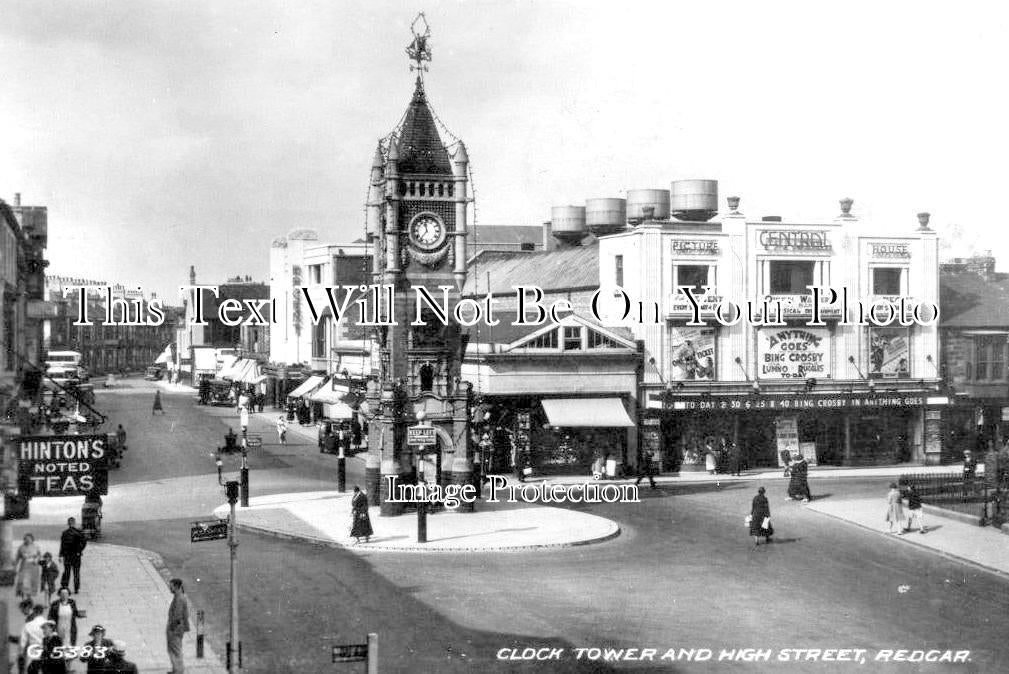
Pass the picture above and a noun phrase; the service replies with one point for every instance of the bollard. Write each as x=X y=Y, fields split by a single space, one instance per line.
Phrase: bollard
x=341 y=474
x=199 y=633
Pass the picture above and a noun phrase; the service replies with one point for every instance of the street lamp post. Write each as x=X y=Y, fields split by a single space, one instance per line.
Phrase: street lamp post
x=231 y=489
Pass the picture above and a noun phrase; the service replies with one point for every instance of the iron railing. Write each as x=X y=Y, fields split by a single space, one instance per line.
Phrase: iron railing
x=968 y=494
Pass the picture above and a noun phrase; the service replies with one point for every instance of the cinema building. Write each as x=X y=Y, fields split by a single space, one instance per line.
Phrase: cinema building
x=842 y=392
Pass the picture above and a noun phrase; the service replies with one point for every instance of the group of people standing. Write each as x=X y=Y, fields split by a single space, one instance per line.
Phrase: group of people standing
x=45 y=629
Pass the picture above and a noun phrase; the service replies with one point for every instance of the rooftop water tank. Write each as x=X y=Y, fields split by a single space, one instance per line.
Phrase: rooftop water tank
x=639 y=200
x=568 y=223
x=606 y=216
x=694 y=200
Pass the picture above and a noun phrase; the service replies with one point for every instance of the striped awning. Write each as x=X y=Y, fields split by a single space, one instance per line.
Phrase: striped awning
x=587 y=412
x=307 y=386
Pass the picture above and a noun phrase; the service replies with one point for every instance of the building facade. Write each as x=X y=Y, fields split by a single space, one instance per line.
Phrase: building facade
x=842 y=391
x=105 y=346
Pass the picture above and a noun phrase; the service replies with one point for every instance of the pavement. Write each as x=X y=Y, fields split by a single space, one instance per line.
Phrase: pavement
x=125 y=590
x=325 y=517
x=986 y=547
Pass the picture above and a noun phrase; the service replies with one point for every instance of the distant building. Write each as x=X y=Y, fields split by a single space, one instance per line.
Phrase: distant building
x=974 y=334
x=23 y=240
x=105 y=346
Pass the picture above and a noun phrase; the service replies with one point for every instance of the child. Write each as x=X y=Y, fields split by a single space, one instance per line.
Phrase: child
x=50 y=572
x=914 y=510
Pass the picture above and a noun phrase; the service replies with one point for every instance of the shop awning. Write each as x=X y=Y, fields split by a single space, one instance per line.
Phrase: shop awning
x=235 y=373
x=227 y=367
x=307 y=386
x=339 y=411
x=329 y=395
x=249 y=373
x=586 y=412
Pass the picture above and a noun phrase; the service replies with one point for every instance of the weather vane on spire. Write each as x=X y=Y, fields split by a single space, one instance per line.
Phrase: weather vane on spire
x=419 y=51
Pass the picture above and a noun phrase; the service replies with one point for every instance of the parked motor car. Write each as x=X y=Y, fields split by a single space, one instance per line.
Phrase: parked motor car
x=154 y=373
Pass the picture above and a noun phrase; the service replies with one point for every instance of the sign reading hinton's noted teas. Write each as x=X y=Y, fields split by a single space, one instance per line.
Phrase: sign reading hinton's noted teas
x=63 y=465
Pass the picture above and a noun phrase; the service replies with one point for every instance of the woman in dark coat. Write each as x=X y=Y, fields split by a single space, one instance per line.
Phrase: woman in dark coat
x=759 y=511
x=361 y=525
x=798 y=484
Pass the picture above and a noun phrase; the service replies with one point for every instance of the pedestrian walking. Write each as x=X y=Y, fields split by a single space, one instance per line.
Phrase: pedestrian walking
x=915 y=513
x=28 y=570
x=646 y=469
x=178 y=625
x=64 y=613
x=282 y=430
x=157 y=404
x=894 y=510
x=52 y=661
x=50 y=574
x=117 y=661
x=361 y=525
x=72 y=544
x=32 y=635
x=969 y=471
x=260 y=401
x=121 y=436
x=798 y=482
x=710 y=460
x=735 y=460
x=98 y=651
x=760 y=518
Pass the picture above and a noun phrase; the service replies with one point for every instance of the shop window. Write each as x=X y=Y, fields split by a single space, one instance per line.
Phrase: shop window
x=990 y=358
x=598 y=340
x=886 y=281
x=791 y=277
x=618 y=261
x=572 y=338
x=692 y=275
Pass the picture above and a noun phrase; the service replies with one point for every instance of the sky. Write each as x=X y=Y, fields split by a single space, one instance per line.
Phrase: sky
x=167 y=134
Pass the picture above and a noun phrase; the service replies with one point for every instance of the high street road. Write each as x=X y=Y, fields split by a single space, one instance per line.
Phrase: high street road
x=683 y=574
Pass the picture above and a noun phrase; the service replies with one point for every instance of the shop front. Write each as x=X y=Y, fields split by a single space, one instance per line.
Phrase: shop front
x=557 y=436
x=841 y=429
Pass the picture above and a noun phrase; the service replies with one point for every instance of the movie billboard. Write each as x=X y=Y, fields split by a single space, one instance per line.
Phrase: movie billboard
x=693 y=354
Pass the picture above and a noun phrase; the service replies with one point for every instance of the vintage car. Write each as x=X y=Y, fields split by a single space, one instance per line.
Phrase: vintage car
x=154 y=373
x=222 y=392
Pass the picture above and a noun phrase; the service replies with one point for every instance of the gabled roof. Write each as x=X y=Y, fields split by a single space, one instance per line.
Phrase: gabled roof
x=968 y=301
x=419 y=145
x=556 y=270
x=513 y=335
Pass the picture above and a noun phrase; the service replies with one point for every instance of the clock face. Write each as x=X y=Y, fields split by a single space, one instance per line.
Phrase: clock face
x=427 y=231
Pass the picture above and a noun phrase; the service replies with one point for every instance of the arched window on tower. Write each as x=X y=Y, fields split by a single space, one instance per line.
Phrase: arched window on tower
x=426 y=377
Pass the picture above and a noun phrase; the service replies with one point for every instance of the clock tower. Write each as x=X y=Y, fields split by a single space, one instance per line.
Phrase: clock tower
x=417 y=226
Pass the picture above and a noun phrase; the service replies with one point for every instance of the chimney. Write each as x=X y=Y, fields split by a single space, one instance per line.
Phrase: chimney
x=923 y=222
x=192 y=275
x=17 y=200
x=733 y=204
x=846 y=204
x=549 y=243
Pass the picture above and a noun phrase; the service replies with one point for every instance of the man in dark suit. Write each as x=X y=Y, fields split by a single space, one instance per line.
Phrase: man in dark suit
x=72 y=544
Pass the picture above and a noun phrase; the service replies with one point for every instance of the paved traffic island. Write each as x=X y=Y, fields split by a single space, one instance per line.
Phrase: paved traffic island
x=325 y=518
